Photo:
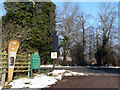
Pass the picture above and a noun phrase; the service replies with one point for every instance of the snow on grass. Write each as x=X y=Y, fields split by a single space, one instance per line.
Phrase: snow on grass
x=52 y=66
x=42 y=80
x=46 y=65
x=108 y=67
x=39 y=81
x=1 y=87
x=59 y=66
x=113 y=67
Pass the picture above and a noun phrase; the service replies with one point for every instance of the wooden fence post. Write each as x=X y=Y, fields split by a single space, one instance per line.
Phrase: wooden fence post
x=3 y=79
x=29 y=66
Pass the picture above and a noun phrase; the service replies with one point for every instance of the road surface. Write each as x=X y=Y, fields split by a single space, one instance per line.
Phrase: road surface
x=91 y=81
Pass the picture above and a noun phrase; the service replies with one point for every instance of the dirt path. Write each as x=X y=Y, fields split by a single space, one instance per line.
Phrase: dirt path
x=92 y=81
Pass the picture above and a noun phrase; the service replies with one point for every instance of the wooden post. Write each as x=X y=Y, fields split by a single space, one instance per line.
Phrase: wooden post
x=3 y=79
x=28 y=72
x=29 y=66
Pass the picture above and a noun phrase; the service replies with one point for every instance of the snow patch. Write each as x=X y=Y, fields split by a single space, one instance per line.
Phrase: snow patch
x=66 y=73
x=39 y=81
x=50 y=66
x=42 y=80
x=1 y=87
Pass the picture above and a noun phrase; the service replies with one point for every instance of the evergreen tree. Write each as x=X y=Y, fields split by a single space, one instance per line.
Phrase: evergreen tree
x=36 y=22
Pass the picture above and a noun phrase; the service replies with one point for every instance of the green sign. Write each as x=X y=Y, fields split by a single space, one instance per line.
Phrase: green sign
x=35 y=62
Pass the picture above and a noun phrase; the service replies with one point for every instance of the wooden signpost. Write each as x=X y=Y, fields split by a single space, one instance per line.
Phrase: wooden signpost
x=35 y=62
x=12 y=51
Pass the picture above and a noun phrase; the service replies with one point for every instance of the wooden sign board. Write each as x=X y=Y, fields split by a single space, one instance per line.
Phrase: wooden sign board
x=12 y=51
x=35 y=62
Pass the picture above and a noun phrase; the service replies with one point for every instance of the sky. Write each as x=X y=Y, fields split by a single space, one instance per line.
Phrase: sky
x=87 y=7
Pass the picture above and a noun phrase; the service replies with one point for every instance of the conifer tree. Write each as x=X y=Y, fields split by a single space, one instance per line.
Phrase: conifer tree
x=32 y=25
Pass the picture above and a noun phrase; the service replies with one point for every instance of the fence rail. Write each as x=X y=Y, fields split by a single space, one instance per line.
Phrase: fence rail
x=22 y=62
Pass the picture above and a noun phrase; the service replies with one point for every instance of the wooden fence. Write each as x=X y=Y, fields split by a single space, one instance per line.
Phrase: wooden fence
x=22 y=64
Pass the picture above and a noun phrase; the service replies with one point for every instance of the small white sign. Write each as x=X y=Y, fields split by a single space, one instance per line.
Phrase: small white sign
x=53 y=55
x=12 y=54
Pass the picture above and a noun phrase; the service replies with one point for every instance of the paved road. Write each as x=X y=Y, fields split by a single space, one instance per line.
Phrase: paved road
x=92 y=81
x=115 y=71
x=99 y=71
x=98 y=78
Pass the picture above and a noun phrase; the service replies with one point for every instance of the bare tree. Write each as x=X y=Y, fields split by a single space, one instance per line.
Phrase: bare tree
x=107 y=16
x=11 y=32
x=66 y=23
x=83 y=20
x=107 y=19
x=72 y=24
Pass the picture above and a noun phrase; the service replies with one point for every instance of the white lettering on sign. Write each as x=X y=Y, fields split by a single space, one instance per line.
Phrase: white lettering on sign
x=12 y=48
x=53 y=55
